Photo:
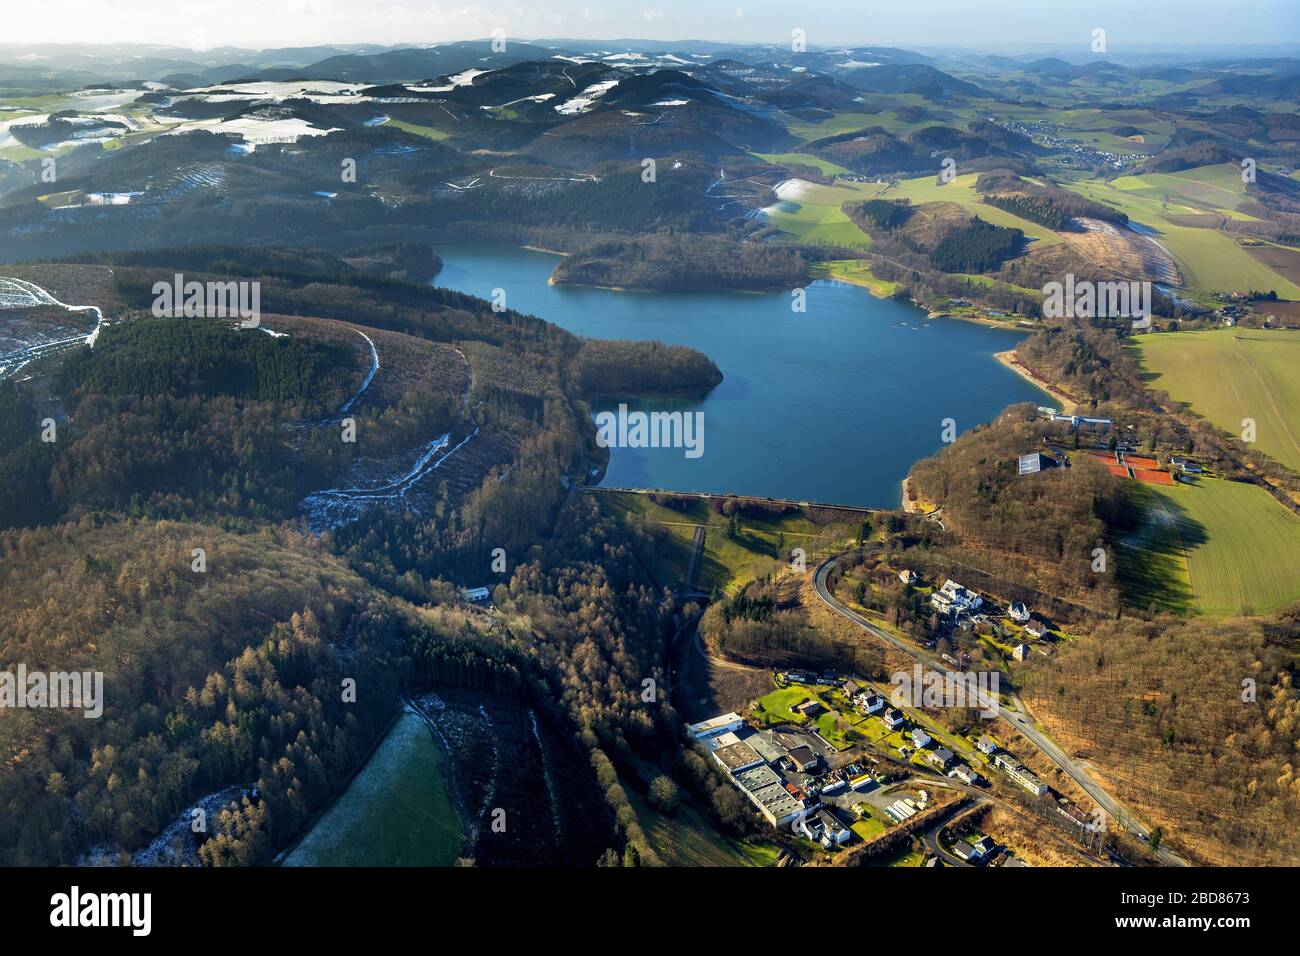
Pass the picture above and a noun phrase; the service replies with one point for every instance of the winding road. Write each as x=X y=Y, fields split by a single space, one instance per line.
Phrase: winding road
x=1016 y=718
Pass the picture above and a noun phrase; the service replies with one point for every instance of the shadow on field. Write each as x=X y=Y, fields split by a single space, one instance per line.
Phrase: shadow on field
x=1152 y=564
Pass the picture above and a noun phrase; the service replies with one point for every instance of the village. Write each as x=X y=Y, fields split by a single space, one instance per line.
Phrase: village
x=842 y=761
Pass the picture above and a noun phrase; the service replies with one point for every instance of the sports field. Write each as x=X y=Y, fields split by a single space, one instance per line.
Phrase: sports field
x=1227 y=375
x=1216 y=547
x=396 y=812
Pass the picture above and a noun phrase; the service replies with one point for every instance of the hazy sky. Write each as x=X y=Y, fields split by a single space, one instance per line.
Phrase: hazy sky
x=273 y=23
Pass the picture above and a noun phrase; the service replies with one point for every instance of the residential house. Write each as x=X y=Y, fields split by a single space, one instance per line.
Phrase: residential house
x=941 y=758
x=1020 y=652
x=920 y=737
x=954 y=600
x=809 y=708
x=832 y=831
x=894 y=719
x=852 y=688
x=967 y=775
x=1036 y=628
x=908 y=576
x=1019 y=612
x=987 y=745
x=870 y=703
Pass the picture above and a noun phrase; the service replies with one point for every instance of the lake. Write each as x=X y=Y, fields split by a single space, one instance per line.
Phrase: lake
x=833 y=404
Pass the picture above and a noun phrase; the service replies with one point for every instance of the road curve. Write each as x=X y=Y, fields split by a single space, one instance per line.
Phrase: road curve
x=1017 y=719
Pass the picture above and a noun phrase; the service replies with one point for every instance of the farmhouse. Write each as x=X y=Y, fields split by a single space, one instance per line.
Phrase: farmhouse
x=954 y=600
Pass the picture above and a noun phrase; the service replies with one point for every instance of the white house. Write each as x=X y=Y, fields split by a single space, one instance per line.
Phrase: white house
x=955 y=600
x=870 y=703
x=894 y=719
x=920 y=737
x=1019 y=612
x=1020 y=652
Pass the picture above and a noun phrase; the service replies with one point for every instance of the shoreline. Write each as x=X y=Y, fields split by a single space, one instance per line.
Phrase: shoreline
x=1008 y=359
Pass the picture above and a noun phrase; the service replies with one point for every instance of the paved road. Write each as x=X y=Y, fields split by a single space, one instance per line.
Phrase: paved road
x=1016 y=718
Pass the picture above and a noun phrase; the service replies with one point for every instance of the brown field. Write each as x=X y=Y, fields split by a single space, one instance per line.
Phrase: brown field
x=1204 y=220
x=1281 y=259
x=1123 y=252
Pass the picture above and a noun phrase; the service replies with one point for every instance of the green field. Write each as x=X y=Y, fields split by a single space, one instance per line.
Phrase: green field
x=428 y=132
x=855 y=271
x=817 y=218
x=803 y=159
x=1216 y=547
x=726 y=563
x=396 y=812
x=1227 y=375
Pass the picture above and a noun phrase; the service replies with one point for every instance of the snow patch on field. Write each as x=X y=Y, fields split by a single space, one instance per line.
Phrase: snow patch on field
x=584 y=101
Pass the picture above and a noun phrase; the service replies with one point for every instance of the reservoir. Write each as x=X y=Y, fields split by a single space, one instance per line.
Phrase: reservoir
x=833 y=404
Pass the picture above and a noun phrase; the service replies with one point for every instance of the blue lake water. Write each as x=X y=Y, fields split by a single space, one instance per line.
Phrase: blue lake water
x=833 y=404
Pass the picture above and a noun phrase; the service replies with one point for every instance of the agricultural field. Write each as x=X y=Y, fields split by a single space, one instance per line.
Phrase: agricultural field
x=396 y=811
x=1214 y=547
x=1211 y=260
x=803 y=159
x=1227 y=375
x=811 y=213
